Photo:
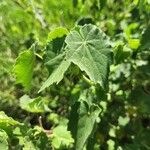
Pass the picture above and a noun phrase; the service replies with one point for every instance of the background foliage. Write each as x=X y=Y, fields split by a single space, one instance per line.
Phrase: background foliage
x=87 y=109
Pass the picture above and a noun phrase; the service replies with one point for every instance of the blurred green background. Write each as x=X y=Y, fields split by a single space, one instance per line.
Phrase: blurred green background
x=126 y=121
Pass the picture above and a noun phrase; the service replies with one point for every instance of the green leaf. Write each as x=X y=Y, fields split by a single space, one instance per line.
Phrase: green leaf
x=23 y=68
x=36 y=105
x=7 y=121
x=57 y=119
x=111 y=144
x=55 y=63
x=52 y=64
x=57 y=33
x=134 y=43
x=55 y=43
x=83 y=117
x=122 y=121
x=3 y=140
x=61 y=137
x=87 y=47
x=121 y=53
x=32 y=138
x=57 y=74
x=86 y=123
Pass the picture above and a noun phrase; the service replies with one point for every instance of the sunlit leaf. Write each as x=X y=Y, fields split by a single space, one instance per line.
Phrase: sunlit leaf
x=61 y=137
x=23 y=68
x=7 y=121
x=35 y=105
x=87 y=47
x=57 y=33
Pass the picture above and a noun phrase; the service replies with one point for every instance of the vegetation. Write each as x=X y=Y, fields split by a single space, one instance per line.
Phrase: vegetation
x=75 y=75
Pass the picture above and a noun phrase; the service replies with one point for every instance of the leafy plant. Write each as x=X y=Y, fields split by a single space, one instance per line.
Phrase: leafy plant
x=88 y=48
x=81 y=80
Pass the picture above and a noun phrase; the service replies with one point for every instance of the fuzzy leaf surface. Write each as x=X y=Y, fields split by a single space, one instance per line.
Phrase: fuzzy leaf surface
x=87 y=47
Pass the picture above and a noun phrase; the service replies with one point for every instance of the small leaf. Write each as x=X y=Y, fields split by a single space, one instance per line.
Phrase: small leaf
x=87 y=47
x=121 y=53
x=23 y=68
x=61 y=137
x=32 y=138
x=111 y=144
x=134 y=43
x=57 y=74
x=36 y=105
x=55 y=42
x=83 y=117
x=3 y=140
x=7 y=121
x=122 y=121
x=86 y=124
x=57 y=33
